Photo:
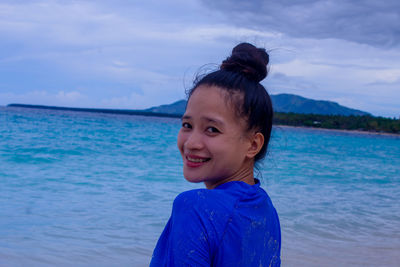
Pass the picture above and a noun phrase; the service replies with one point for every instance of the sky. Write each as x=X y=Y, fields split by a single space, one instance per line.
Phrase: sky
x=139 y=54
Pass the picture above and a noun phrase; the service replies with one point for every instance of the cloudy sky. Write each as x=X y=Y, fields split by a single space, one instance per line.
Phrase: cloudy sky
x=138 y=54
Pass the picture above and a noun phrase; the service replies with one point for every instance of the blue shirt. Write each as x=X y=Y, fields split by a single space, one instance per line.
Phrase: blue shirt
x=234 y=224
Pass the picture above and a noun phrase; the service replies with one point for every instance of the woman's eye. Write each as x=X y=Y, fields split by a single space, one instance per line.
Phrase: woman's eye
x=186 y=125
x=213 y=130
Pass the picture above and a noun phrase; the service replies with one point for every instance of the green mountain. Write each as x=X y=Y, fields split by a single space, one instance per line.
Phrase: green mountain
x=177 y=107
x=298 y=104
x=282 y=103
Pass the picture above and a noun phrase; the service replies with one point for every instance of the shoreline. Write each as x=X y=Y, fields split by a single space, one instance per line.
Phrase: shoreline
x=338 y=130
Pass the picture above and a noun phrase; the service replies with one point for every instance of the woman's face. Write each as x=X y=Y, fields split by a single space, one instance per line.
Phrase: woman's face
x=212 y=140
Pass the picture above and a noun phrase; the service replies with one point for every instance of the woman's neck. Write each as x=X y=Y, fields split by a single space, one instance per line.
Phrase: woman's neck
x=245 y=174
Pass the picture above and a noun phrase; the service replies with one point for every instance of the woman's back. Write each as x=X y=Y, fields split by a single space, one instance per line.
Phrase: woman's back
x=234 y=224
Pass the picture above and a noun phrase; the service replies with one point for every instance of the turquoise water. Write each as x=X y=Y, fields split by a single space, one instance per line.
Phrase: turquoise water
x=79 y=189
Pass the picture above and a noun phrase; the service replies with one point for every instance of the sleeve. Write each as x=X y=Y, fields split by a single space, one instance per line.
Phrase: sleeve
x=188 y=239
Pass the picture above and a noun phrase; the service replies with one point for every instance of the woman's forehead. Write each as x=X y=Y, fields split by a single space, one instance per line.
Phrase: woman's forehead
x=213 y=104
x=209 y=100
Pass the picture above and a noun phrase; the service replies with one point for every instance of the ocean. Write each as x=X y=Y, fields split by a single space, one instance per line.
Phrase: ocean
x=83 y=189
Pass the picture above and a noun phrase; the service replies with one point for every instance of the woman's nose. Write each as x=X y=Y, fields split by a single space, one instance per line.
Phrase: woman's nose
x=194 y=141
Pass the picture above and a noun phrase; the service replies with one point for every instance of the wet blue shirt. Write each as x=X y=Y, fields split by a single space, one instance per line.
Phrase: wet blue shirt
x=234 y=224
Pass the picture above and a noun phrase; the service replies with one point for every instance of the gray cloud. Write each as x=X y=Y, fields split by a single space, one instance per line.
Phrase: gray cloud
x=367 y=21
x=139 y=54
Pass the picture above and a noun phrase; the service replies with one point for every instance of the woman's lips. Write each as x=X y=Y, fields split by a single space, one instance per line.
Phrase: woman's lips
x=195 y=161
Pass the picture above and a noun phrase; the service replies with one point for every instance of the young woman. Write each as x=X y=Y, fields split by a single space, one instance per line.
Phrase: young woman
x=225 y=131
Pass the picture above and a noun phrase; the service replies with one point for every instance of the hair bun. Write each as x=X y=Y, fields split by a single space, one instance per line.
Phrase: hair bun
x=248 y=60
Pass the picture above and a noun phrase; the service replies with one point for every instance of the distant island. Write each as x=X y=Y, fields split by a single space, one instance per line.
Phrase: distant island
x=99 y=110
x=284 y=103
x=291 y=110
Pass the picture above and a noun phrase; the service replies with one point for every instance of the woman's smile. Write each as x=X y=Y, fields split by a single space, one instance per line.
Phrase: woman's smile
x=194 y=161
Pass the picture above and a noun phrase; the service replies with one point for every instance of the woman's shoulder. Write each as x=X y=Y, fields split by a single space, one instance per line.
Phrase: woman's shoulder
x=203 y=210
x=205 y=199
x=225 y=196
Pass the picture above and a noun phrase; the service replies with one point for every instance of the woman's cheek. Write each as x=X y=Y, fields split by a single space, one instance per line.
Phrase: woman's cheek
x=180 y=141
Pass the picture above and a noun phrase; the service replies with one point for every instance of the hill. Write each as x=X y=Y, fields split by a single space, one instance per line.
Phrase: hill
x=285 y=103
x=177 y=108
x=297 y=104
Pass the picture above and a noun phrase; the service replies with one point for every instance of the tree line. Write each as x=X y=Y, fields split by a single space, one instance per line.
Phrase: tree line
x=362 y=123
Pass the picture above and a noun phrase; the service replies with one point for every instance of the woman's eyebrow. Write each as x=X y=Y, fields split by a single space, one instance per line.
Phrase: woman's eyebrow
x=186 y=117
x=208 y=119
x=214 y=120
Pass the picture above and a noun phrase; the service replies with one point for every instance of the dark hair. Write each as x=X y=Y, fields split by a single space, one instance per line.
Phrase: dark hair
x=241 y=73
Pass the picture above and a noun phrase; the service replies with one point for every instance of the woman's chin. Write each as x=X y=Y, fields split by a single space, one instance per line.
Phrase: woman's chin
x=193 y=179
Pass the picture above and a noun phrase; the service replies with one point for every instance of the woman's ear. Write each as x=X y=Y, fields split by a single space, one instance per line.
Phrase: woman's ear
x=256 y=143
